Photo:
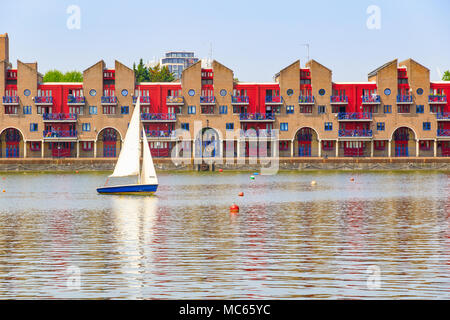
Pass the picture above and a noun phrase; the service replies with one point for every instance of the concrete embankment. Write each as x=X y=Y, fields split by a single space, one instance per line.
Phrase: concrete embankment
x=166 y=164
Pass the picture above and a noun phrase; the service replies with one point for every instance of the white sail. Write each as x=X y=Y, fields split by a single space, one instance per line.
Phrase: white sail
x=148 y=174
x=129 y=158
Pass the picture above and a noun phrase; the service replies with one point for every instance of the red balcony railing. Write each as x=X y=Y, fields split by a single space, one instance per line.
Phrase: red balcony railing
x=437 y=99
x=60 y=133
x=43 y=100
x=59 y=117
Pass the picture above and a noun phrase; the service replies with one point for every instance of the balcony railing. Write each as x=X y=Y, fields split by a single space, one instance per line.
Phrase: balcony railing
x=371 y=99
x=355 y=116
x=257 y=117
x=207 y=100
x=158 y=117
x=76 y=100
x=339 y=99
x=437 y=99
x=355 y=133
x=59 y=117
x=144 y=100
x=60 y=133
x=443 y=132
x=43 y=100
x=274 y=99
x=256 y=133
x=109 y=100
x=443 y=116
x=239 y=99
x=404 y=99
x=10 y=100
x=174 y=100
x=159 y=133
x=306 y=100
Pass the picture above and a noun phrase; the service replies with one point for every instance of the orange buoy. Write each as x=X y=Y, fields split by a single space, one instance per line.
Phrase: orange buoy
x=4 y=190
x=352 y=179
x=234 y=208
x=241 y=194
x=76 y=171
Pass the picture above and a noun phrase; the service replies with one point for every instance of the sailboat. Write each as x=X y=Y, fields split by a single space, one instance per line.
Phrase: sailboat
x=129 y=163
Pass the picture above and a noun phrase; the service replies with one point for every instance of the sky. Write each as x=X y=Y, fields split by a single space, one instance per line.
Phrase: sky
x=256 y=39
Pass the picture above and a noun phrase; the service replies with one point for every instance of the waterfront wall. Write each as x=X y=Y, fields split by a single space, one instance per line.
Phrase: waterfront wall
x=86 y=165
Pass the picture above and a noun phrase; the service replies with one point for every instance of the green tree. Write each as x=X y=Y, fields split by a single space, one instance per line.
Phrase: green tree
x=152 y=74
x=446 y=76
x=73 y=76
x=53 y=76
x=141 y=72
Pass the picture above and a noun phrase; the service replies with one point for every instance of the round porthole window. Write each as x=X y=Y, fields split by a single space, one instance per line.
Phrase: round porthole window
x=124 y=92
x=92 y=92
x=387 y=91
x=322 y=92
x=223 y=92
x=290 y=92
x=420 y=91
x=26 y=92
x=191 y=92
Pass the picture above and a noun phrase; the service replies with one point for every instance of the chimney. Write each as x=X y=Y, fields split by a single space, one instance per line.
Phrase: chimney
x=4 y=47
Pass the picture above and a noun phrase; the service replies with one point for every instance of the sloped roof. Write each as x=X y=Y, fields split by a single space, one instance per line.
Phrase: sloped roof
x=374 y=72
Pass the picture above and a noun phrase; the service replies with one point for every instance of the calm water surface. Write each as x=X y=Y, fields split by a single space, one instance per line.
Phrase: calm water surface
x=290 y=239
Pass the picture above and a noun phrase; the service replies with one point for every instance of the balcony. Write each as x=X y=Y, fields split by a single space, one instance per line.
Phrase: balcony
x=43 y=101
x=355 y=133
x=372 y=99
x=437 y=99
x=174 y=101
x=59 y=117
x=252 y=117
x=443 y=116
x=355 y=116
x=306 y=100
x=160 y=133
x=404 y=99
x=274 y=100
x=339 y=100
x=144 y=100
x=76 y=101
x=239 y=100
x=109 y=100
x=59 y=134
x=10 y=100
x=443 y=132
x=261 y=133
x=158 y=117
x=207 y=100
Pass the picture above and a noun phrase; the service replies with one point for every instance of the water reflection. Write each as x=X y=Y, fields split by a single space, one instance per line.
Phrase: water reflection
x=290 y=239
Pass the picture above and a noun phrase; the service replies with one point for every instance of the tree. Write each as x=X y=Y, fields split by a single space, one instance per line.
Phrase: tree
x=152 y=74
x=446 y=76
x=58 y=76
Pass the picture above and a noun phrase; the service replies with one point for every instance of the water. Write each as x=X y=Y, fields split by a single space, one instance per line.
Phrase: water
x=385 y=235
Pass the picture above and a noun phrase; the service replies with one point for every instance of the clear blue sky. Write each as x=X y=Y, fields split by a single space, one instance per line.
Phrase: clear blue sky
x=254 y=38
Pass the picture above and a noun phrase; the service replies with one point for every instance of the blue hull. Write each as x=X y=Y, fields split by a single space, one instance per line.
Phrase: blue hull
x=137 y=189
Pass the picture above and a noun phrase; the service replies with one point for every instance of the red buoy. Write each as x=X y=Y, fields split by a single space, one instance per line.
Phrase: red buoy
x=234 y=208
x=352 y=179
x=220 y=170
x=241 y=194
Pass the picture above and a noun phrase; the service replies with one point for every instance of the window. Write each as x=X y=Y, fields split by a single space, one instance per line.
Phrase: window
x=425 y=145
x=380 y=145
x=33 y=127
x=321 y=109
x=283 y=126
x=27 y=109
x=109 y=109
x=403 y=108
x=380 y=126
x=284 y=145
x=289 y=109
x=35 y=146
x=387 y=108
x=419 y=108
x=427 y=126
x=86 y=145
x=124 y=110
x=327 y=145
x=223 y=109
x=92 y=110
x=328 y=126
x=191 y=110
x=86 y=127
x=185 y=126
x=305 y=109
x=434 y=109
x=322 y=92
x=230 y=126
